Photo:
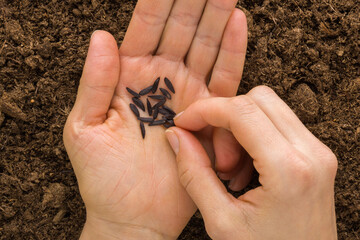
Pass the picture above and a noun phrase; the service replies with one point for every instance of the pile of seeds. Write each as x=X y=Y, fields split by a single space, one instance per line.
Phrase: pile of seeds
x=159 y=114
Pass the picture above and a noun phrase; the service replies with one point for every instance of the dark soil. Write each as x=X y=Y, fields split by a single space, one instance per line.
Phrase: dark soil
x=307 y=51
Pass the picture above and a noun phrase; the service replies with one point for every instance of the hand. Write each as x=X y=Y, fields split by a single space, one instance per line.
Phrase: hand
x=297 y=172
x=129 y=185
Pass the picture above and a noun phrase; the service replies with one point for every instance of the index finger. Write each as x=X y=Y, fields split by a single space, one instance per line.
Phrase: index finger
x=249 y=124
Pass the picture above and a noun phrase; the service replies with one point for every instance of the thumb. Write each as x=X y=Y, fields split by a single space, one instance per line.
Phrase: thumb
x=196 y=174
x=99 y=79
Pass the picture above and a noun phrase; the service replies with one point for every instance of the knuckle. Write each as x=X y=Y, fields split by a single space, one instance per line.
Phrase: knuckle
x=225 y=5
x=301 y=169
x=226 y=72
x=187 y=19
x=69 y=133
x=262 y=91
x=243 y=105
x=186 y=178
x=105 y=63
x=333 y=163
x=74 y=129
x=148 y=17
x=100 y=88
x=330 y=161
x=208 y=40
x=69 y=126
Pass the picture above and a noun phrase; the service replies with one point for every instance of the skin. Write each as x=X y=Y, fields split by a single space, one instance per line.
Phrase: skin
x=296 y=171
x=129 y=185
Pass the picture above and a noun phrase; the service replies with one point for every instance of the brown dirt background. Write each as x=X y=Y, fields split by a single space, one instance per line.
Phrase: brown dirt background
x=308 y=51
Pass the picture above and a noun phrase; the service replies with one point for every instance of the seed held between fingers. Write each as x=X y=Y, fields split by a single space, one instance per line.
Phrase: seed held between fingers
x=171 y=122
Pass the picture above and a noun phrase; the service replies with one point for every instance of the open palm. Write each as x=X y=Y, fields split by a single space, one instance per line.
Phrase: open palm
x=124 y=179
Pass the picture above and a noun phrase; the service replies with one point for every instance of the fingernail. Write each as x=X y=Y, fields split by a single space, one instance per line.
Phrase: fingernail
x=232 y=184
x=223 y=176
x=178 y=115
x=173 y=140
x=93 y=33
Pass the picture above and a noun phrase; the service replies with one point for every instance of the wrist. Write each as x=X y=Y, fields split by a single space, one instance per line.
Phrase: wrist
x=105 y=230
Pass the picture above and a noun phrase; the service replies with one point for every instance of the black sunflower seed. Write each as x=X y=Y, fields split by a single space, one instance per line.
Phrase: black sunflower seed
x=132 y=92
x=169 y=110
x=169 y=116
x=145 y=91
x=138 y=103
x=134 y=110
x=171 y=122
x=144 y=119
x=156 y=113
x=149 y=107
x=168 y=125
x=155 y=85
x=142 y=127
x=169 y=85
x=157 y=123
x=165 y=93
x=157 y=97
x=163 y=111
x=159 y=104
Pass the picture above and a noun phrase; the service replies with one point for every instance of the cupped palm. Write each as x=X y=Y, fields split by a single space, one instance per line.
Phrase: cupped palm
x=123 y=178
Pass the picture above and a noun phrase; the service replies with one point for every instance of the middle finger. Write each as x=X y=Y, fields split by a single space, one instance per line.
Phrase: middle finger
x=180 y=28
x=205 y=46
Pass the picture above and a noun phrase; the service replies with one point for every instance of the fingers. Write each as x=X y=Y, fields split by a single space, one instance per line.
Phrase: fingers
x=250 y=126
x=227 y=150
x=282 y=117
x=224 y=82
x=99 y=79
x=205 y=46
x=180 y=28
x=229 y=65
x=146 y=27
x=239 y=174
x=195 y=172
x=243 y=177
